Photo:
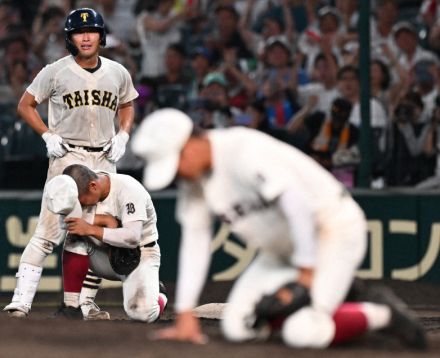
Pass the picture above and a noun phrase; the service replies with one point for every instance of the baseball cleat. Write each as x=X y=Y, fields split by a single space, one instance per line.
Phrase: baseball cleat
x=68 y=312
x=403 y=323
x=91 y=312
x=16 y=310
x=17 y=314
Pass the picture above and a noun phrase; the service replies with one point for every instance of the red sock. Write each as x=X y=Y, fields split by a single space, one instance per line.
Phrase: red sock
x=350 y=322
x=162 y=301
x=75 y=269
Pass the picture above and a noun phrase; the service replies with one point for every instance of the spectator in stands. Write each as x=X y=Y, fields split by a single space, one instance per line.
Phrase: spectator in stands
x=386 y=13
x=323 y=82
x=255 y=116
x=335 y=147
x=328 y=27
x=349 y=87
x=49 y=43
x=380 y=81
x=225 y=33
x=119 y=19
x=407 y=162
x=432 y=148
x=202 y=62
x=157 y=29
x=277 y=82
x=272 y=25
x=349 y=10
x=171 y=88
x=425 y=74
x=213 y=109
x=241 y=88
x=409 y=50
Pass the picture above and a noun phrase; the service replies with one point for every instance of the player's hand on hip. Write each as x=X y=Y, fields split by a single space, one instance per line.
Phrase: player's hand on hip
x=116 y=148
x=186 y=329
x=54 y=144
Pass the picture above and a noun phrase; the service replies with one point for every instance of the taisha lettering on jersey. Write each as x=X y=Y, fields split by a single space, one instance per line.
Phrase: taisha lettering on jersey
x=91 y=98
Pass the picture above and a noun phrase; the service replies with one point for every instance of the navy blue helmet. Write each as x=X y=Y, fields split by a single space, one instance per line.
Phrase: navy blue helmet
x=83 y=18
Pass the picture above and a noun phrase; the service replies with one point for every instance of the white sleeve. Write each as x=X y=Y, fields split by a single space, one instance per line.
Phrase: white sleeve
x=127 y=236
x=41 y=86
x=300 y=218
x=194 y=260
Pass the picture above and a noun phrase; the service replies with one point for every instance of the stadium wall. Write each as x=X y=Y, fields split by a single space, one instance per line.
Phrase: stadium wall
x=403 y=225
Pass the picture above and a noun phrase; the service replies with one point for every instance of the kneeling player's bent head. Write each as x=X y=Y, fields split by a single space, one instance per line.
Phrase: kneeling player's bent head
x=86 y=181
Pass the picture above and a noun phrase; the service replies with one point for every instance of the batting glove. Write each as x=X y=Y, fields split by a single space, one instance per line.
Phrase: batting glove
x=116 y=148
x=54 y=144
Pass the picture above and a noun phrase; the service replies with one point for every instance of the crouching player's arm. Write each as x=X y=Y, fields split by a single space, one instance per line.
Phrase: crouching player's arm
x=194 y=260
x=129 y=235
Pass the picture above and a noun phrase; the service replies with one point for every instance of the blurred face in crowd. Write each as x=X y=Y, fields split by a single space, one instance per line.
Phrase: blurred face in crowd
x=200 y=66
x=87 y=43
x=328 y=24
x=406 y=41
x=174 y=60
x=387 y=13
x=321 y=71
x=216 y=93
x=16 y=51
x=348 y=85
x=227 y=23
x=165 y=6
x=18 y=72
x=277 y=56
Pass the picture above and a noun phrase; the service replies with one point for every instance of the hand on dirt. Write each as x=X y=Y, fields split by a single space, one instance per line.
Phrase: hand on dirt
x=186 y=329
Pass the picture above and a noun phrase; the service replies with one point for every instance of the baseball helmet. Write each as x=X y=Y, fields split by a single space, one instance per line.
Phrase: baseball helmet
x=83 y=18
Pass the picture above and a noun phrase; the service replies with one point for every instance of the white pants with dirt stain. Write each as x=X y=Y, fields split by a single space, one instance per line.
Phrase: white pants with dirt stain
x=341 y=248
x=140 y=288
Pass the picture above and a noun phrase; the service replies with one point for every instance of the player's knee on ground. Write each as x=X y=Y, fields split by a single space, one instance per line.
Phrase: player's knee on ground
x=308 y=328
x=140 y=310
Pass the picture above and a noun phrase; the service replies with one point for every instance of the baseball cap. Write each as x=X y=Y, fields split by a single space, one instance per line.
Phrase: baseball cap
x=329 y=10
x=62 y=196
x=215 y=77
x=204 y=52
x=277 y=40
x=159 y=140
x=403 y=26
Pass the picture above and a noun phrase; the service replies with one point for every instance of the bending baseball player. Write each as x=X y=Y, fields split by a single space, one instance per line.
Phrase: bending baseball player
x=310 y=233
x=123 y=249
x=85 y=93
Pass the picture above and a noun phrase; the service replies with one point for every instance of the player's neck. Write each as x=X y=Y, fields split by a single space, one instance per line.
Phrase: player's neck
x=87 y=62
x=105 y=184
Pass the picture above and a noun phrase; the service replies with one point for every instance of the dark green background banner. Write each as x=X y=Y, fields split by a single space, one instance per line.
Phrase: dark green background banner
x=404 y=238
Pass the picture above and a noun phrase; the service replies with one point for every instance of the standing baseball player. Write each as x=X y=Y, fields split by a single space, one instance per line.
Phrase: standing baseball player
x=310 y=233
x=86 y=92
x=123 y=238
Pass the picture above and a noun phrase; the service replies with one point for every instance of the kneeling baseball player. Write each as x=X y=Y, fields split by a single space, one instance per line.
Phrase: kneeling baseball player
x=121 y=238
x=310 y=233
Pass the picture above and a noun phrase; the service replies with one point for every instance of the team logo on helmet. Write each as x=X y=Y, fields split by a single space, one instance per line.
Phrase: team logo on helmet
x=84 y=16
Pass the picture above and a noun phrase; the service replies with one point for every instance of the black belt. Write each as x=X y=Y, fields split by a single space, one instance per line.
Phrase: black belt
x=151 y=244
x=87 y=149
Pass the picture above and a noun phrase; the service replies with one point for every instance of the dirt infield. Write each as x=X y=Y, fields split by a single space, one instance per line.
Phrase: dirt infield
x=41 y=335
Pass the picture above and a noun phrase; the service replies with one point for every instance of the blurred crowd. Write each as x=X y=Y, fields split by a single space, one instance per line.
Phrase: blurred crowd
x=285 y=67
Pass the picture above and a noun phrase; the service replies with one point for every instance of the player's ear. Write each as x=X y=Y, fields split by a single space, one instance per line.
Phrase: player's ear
x=92 y=186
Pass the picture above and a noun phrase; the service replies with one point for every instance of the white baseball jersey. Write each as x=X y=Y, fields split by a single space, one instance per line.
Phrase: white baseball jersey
x=245 y=181
x=251 y=173
x=83 y=105
x=129 y=201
